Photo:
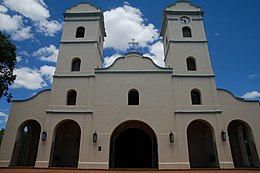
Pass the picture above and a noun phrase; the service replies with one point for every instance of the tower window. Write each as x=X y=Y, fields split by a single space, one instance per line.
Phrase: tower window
x=75 y=65
x=195 y=97
x=133 y=97
x=80 y=32
x=191 y=64
x=71 y=97
x=186 y=31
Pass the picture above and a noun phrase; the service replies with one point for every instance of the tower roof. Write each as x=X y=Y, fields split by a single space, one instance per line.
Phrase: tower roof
x=86 y=10
x=181 y=7
x=83 y=7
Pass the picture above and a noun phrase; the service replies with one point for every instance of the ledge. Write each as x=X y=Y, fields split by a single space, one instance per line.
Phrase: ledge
x=78 y=41
x=70 y=111
x=193 y=75
x=79 y=75
x=132 y=71
x=188 y=40
x=198 y=111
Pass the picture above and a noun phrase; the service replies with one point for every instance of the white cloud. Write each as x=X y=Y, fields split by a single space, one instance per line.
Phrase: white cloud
x=10 y=23
x=33 y=9
x=253 y=76
x=28 y=78
x=49 y=54
x=48 y=72
x=216 y=34
x=18 y=58
x=251 y=95
x=22 y=34
x=49 y=28
x=2 y=114
x=33 y=79
x=3 y=9
x=23 y=52
x=127 y=22
x=110 y=59
x=156 y=53
x=36 y=10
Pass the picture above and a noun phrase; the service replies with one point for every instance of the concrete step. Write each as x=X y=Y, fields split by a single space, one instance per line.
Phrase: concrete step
x=72 y=170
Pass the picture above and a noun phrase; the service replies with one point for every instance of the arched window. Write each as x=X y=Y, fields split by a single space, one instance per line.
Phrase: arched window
x=191 y=64
x=75 y=65
x=80 y=32
x=71 y=97
x=186 y=31
x=133 y=97
x=195 y=97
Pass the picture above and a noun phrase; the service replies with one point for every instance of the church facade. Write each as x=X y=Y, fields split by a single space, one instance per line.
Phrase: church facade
x=133 y=114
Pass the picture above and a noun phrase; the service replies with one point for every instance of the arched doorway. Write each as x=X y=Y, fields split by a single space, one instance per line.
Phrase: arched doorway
x=202 y=148
x=26 y=144
x=242 y=145
x=133 y=144
x=65 y=147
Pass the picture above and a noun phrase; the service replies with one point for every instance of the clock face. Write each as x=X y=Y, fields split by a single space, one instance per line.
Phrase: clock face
x=184 y=20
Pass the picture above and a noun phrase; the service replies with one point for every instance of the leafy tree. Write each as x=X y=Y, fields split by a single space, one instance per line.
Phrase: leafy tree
x=7 y=63
x=2 y=131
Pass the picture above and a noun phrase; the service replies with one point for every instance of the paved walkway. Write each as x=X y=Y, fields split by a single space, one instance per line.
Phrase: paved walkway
x=49 y=170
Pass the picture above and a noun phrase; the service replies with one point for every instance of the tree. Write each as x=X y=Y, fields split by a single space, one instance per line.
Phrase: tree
x=7 y=63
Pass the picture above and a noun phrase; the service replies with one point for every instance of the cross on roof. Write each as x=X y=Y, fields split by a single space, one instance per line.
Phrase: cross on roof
x=133 y=43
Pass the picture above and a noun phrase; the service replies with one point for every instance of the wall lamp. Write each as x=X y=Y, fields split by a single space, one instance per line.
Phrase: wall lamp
x=44 y=136
x=171 y=137
x=95 y=137
x=223 y=135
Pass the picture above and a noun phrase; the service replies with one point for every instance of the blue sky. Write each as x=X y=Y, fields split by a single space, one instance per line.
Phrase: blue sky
x=232 y=30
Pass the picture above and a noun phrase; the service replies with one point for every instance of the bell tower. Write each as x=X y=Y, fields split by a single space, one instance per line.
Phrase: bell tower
x=185 y=44
x=186 y=51
x=81 y=51
x=81 y=45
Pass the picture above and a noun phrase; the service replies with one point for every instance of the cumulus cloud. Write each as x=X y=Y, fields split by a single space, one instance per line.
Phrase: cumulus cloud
x=251 y=95
x=110 y=59
x=253 y=76
x=35 y=10
x=28 y=78
x=47 y=53
x=49 y=28
x=33 y=79
x=127 y=22
x=48 y=72
x=23 y=52
x=3 y=9
x=5 y=116
x=9 y=23
x=156 y=53
x=18 y=58
x=22 y=34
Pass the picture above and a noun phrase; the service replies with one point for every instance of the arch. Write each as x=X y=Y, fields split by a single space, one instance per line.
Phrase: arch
x=26 y=144
x=191 y=64
x=195 y=97
x=71 y=97
x=80 y=32
x=133 y=97
x=186 y=31
x=66 y=144
x=242 y=144
x=201 y=139
x=133 y=144
x=75 y=64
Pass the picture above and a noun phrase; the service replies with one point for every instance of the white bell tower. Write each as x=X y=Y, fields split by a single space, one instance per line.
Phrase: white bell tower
x=185 y=44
